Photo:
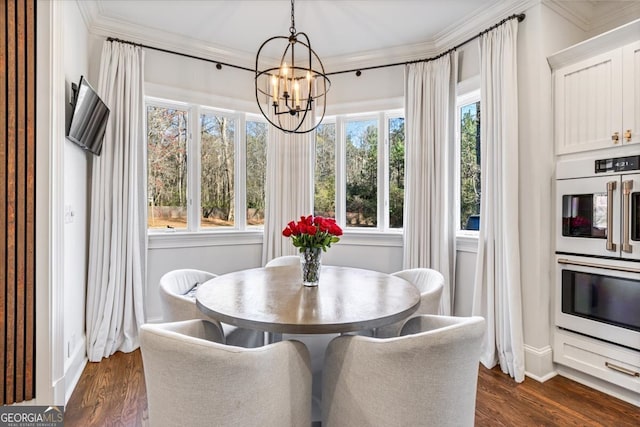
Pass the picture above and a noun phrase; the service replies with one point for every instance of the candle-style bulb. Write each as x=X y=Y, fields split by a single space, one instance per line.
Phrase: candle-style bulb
x=274 y=88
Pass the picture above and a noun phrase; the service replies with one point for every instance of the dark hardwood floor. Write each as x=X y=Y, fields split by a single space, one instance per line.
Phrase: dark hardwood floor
x=112 y=393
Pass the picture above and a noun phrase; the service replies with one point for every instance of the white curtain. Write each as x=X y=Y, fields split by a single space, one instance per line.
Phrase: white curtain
x=429 y=233
x=497 y=293
x=289 y=188
x=117 y=252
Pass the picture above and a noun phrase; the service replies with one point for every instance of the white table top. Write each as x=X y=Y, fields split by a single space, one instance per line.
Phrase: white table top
x=273 y=299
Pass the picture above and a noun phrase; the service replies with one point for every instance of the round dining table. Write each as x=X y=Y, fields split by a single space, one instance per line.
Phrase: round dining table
x=273 y=299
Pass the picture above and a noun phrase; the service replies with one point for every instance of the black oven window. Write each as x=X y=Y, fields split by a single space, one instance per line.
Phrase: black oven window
x=607 y=299
x=585 y=215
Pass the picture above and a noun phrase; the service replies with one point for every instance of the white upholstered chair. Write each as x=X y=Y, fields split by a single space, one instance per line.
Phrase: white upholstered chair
x=177 y=296
x=430 y=283
x=426 y=376
x=285 y=260
x=194 y=380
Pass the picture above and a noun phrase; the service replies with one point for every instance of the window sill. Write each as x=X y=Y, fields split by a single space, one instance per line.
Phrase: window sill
x=186 y=239
x=372 y=238
x=467 y=241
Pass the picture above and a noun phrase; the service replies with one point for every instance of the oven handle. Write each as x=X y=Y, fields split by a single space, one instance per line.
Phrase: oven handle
x=627 y=186
x=611 y=186
x=594 y=265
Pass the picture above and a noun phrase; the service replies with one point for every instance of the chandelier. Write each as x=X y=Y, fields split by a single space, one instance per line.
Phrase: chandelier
x=291 y=96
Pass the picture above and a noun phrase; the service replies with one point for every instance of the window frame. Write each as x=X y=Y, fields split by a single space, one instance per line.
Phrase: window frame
x=467 y=94
x=194 y=169
x=382 y=214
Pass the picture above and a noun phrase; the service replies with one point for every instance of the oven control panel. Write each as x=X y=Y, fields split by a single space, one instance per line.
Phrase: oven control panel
x=618 y=164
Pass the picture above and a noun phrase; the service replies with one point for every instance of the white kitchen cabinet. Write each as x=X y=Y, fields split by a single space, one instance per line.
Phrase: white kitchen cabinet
x=597 y=101
x=631 y=94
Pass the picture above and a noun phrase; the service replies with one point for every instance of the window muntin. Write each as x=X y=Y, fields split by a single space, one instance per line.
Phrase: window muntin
x=325 y=171
x=217 y=166
x=361 y=142
x=218 y=189
x=469 y=193
x=256 y=171
x=167 y=144
x=395 y=135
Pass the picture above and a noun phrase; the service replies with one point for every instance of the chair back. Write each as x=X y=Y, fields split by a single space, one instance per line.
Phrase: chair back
x=430 y=283
x=194 y=380
x=427 y=376
x=174 y=286
x=286 y=260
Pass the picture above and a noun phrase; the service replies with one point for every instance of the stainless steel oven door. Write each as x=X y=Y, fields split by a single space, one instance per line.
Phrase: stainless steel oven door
x=587 y=215
x=599 y=298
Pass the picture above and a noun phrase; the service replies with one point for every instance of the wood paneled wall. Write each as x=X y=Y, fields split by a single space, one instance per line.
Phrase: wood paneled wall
x=17 y=199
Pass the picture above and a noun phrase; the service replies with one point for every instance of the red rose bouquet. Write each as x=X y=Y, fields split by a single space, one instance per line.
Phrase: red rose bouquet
x=313 y=232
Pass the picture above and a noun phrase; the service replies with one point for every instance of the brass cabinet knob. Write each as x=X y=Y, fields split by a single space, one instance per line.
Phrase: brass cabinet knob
x=615 y=137
x=627 y=135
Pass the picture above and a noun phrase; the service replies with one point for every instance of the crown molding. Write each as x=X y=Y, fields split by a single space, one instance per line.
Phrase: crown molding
x=572 y=11
x=615 y=18
x=89 y=11
x=381 y=56
x=467 y=27
x=108 y=27
x=593 y=20
x=472 y=24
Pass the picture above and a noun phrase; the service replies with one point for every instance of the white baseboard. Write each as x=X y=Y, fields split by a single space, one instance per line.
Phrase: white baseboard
x=73 y=368
x=538 y=363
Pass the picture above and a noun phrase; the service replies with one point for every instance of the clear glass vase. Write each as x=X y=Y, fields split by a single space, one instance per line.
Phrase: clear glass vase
x=310 y=263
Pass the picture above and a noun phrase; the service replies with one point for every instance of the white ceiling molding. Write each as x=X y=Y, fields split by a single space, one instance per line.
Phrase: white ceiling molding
x=578 y=13
x=108 y=27
x=89 y=11
x=380 y=57
x=468 y=26
x=473 y=24
x=614 y=17
x=596 y=16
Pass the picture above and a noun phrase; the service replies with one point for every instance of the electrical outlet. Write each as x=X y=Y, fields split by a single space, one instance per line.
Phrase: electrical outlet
x=68 y=214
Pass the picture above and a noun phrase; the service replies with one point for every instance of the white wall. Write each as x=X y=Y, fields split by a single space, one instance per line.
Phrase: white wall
x=542 y=33
x=76 y=203
x=539 y=35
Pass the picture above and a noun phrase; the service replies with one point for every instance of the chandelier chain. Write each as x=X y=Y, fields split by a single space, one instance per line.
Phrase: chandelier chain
x=292 y=29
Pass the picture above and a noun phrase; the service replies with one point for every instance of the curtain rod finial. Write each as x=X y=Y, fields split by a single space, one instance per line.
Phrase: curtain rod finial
x=521 y=17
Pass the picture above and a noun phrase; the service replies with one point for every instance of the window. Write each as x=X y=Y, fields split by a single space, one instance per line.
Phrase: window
x=214 y=181
x=362 y=173
x=359 y=170
x=256 y=171
x=468 y=108
x=217 y=158
x=396 y=171
x=167 y=166
x=325 y=171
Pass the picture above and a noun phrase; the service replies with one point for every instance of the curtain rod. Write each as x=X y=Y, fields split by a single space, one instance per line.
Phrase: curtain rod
x=358 y=71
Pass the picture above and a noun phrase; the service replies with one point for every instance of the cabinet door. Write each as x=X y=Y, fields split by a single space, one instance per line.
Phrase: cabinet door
x=631 y=95
x=588 y=106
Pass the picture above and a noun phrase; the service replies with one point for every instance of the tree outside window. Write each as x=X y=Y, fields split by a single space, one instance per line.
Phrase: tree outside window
x=256 y=171
x=396 y=171
x=167 y=167
x=325 y=171
x=362 y=173
x=470 y=166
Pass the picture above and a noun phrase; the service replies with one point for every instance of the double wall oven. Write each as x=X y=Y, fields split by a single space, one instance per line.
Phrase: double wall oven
x=598 y=248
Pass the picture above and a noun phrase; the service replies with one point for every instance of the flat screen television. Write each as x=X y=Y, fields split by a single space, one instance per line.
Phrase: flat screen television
x=89 y=118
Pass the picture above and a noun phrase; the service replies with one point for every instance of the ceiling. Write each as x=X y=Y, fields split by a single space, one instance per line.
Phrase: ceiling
x=342 y=30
